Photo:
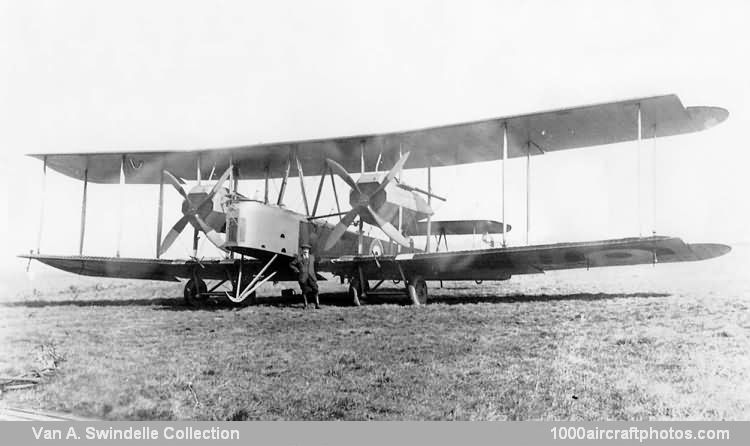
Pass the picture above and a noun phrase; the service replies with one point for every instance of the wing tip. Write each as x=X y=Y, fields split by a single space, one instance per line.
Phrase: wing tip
x=705 y=251
x=708 y=116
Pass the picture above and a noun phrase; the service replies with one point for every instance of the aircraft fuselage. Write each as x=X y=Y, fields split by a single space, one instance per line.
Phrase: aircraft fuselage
x=261 y=230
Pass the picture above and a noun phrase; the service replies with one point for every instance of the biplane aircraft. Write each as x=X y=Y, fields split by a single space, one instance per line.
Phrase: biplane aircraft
x=261 y=236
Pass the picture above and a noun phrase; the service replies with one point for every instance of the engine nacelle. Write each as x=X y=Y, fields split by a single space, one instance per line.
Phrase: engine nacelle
x=389 y=200
x=255 y=227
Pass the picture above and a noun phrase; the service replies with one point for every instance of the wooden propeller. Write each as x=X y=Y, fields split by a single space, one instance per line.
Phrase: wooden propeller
x=192 y=213
x=363 y=205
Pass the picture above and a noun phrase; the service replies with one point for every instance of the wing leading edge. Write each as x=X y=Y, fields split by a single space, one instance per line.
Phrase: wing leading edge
x=471 y=142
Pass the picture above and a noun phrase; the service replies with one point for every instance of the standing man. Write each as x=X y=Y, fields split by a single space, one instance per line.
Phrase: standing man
x=304 y=266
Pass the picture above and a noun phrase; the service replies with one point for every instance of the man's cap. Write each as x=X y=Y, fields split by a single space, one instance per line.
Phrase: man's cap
x=305 y=245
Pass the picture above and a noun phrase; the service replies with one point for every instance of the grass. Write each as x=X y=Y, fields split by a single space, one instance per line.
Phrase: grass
x=618 y=344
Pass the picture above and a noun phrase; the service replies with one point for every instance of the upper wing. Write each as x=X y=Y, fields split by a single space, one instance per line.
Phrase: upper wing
x=502 y=263
x=470 y=142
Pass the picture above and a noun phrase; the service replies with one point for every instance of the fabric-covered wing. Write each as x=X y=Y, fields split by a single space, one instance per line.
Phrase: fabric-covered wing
x=502 y=263
x=151 y=269
x=470 y=142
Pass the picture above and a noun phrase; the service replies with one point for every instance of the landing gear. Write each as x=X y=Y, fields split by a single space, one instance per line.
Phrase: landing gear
x=195 y=292
x=243 y=290
x=417 y=289
x=355 y=292
x=238 y=299
x=358 y=287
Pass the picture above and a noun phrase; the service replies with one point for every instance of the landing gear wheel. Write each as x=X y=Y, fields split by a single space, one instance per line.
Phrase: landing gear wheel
x=417 y=289
x=195 y=292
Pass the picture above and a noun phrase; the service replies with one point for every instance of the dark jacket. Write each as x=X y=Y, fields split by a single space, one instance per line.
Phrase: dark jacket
x=305 y=269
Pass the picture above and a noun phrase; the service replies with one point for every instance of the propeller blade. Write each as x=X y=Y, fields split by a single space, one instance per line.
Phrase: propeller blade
x=221 y=180
x=176 y=183
x=392 y=173
x=172 y=234
x=340 y=229
x=212 y=235
x=388 y=228
x=217 y=186
x=339 y=170
x=196 y=231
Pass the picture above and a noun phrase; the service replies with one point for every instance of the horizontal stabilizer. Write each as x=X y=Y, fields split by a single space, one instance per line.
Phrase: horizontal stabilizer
x=460 y=227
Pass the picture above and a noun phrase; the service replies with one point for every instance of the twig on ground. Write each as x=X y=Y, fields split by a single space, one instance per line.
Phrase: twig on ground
x=17 y=386
x=192 y=391
x=6 y=381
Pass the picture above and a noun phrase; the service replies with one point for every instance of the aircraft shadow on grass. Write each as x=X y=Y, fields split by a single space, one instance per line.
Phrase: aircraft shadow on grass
x=329 y=299
x=520 y=298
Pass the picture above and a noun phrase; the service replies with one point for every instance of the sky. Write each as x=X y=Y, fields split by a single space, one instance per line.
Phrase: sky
x=85 y=75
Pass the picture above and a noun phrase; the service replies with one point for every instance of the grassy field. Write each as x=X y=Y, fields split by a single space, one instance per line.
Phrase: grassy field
x=630 y=343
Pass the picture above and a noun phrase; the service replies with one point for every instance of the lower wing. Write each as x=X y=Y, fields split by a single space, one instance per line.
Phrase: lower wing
x=502 y=263
x=155 y=269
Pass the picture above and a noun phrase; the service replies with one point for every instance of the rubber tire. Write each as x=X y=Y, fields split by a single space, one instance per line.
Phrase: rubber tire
x=192 y=293
x=417 y=289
